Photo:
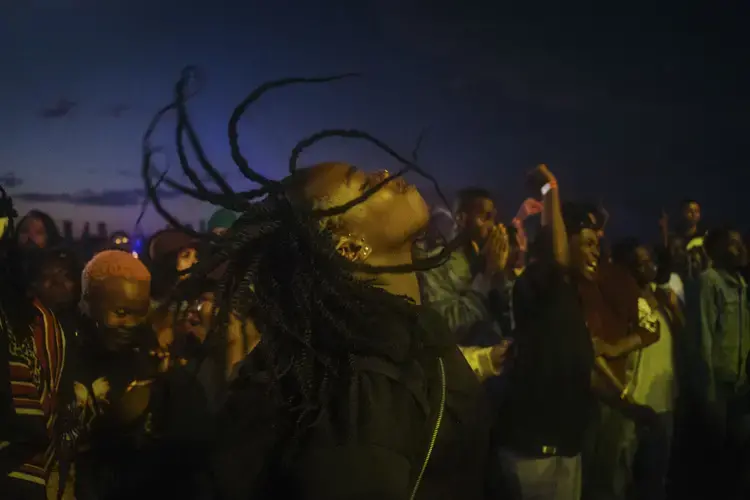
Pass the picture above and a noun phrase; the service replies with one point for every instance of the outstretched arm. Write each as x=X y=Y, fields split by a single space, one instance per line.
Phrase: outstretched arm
x=552 y=216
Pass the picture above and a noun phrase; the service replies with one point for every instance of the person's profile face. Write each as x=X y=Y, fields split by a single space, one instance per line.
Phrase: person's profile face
x=388 y=220
x=478 y=219
x=584 y=253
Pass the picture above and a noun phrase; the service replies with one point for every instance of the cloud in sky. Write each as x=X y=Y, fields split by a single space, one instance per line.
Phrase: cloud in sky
x=9 y=180
x=60 y=110
x=105 y=198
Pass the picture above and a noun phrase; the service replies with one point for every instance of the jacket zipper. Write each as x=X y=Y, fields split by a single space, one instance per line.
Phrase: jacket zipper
x=435 y=431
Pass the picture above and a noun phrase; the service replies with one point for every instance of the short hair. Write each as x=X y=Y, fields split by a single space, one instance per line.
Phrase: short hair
x=113 y=264
x=716 y=239
x=467 y=196
x=687 y=201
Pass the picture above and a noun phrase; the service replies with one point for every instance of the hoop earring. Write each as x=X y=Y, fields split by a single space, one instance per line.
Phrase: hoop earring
x=353 y=248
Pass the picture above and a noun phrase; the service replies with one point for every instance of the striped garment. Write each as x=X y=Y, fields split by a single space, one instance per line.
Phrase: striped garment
x=36 y=364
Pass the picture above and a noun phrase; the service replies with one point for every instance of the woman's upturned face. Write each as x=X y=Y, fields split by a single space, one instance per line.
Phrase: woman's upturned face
x=388 y=220
x=32 y=233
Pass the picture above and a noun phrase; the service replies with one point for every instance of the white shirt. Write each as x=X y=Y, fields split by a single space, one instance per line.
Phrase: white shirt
x=676 y=285
x=651 y=369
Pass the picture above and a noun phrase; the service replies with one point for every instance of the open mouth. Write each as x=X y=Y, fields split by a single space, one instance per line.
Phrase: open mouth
x=591 y=266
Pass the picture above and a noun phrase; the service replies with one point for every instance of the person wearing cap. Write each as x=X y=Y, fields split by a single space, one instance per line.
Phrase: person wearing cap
x=221 y=221
x=170 y=253
x=609 y=295
x=544 y=421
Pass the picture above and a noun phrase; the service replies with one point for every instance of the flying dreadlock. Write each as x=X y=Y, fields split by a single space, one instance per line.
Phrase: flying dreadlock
x=283 y=270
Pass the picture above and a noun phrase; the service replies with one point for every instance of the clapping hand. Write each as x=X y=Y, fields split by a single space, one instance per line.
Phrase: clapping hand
x=496 y=250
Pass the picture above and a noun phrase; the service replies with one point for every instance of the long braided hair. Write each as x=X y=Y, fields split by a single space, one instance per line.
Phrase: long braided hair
x=283 y=270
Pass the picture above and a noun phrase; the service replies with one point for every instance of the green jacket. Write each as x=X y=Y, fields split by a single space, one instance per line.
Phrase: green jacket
x=724 y=335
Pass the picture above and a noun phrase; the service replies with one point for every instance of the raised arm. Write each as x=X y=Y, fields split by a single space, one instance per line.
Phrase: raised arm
x=552 y=216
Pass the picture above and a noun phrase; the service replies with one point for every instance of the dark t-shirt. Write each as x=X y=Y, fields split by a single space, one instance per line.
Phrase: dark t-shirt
x=549 y=401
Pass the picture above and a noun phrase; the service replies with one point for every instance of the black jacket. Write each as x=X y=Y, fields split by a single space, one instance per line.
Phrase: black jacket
x=374 y=437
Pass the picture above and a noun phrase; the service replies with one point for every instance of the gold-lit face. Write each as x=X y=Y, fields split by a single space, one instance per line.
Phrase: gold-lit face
x=119 y=302
x=186 y=258
x=387 y=220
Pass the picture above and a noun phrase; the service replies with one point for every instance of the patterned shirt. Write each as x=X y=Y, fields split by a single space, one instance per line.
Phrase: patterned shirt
x=36 y=364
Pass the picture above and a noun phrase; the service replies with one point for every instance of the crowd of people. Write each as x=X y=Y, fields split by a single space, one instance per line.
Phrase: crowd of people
x=332 y=337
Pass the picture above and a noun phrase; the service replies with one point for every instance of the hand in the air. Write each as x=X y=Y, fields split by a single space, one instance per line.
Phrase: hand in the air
x=544 y=172
x=529 y=207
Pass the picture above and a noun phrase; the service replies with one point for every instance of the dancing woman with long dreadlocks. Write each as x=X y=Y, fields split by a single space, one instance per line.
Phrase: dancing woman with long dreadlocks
x=354 y=390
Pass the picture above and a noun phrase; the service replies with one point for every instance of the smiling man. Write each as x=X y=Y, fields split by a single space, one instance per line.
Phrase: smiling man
x=609 y=296
x=140 y=407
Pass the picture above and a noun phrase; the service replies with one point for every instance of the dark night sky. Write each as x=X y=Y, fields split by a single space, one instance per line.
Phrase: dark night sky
x=640 y=107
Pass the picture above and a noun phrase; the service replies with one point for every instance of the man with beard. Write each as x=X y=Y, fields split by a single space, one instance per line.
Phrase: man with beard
x=138 y=411
x=466 y=290
x=32 y=356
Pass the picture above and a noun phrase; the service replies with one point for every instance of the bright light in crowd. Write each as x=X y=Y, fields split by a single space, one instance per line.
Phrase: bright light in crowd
x=135 y=254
